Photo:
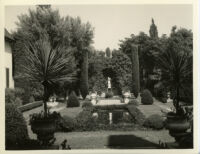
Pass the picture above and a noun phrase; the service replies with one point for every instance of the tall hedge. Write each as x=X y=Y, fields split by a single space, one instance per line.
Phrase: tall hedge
x=135 y=70
x=84 y=75
x=16 y=129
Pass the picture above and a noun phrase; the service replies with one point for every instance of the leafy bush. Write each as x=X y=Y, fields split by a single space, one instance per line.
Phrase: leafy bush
x=13 y=96
x=31 y=99
x=30 y=106
x=16 y=129
x=86 y=104
x=66 y=124
x=73 y=100
x=117 y=116
x=155 y=121
x=133 y=102
x=109 y=94
x=110 y=107
x=85 y=121
x=146 y=97
x=137 y=115
x=135 y=71
x=103 y=117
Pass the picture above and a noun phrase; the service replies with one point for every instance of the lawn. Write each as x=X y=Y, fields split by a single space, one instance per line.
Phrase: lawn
x=114 y=139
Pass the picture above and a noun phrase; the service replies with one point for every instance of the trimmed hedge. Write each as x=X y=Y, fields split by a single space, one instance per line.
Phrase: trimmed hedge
x=73 y=100
x=84 y=75
x=137 y=115
x=30 y=106
x=146 y=97
x=135 y=71
x=154 y=121
x=133 y=102
x=87 y=104
x=110 y=107
x=16 y=129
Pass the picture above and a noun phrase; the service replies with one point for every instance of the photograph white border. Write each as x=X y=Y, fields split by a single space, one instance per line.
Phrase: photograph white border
x=196 y=56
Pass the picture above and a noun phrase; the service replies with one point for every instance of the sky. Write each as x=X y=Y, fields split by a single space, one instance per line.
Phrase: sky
x=115 y=22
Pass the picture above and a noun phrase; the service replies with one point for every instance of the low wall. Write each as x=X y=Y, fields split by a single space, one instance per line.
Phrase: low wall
x=30 y=106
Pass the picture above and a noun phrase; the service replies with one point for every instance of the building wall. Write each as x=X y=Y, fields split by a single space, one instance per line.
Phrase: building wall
x=8 y=63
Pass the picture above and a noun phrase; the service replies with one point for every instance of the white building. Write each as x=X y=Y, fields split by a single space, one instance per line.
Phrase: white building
x=8 y=60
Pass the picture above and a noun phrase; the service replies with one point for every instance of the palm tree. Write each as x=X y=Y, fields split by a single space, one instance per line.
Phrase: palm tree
x=176 y=67
x=48 y=65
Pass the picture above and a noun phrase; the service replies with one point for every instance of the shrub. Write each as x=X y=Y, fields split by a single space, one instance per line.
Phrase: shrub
x=133 y=102
x=109 y=94
x=31 y=99
x=16 y=129
x=155 y=121
x=85 y=121
x=73 y=100
x=9 y=95
x=135 y=71
x=146 y=97
x=66 y=124
x=84 y=75
x=86 y=104
x=103 y=117
x=117 y=116
x=137 y=115
x=110 y=107
x=18 y=102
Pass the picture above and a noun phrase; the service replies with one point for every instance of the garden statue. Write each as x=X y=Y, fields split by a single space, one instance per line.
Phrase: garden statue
x=109 y=83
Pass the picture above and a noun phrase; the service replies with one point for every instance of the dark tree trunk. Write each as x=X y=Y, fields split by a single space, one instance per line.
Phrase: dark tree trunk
x=45 y=98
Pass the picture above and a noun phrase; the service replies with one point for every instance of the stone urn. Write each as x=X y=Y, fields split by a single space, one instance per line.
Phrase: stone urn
x=126 y=97
x=93 y=98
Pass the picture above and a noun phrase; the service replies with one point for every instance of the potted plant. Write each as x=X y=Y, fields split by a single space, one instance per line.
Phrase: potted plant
x=48 y=66
x=176 y=72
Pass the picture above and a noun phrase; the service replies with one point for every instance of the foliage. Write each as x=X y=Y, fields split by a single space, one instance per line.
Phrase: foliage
x=135 y=71
x=13 y=96
x=109 y=94
x=87 y=104
x=85 y=121
x=66 y=124
x=133 y=102
x=146 y=97
x=35 y=117
x=16 y=129
x=110 y=107
x=108 y=52
x=47 y=66
x=153 y=32
x=154 y=121
x=160 y=92
x=31 y=99
x=66 y=32
x=136 y=114
x=73 y=100
x=84 y=76
x=176 y=62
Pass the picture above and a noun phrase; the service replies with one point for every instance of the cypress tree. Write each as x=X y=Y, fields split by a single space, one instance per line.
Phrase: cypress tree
x=135 y=70
x=84 y=75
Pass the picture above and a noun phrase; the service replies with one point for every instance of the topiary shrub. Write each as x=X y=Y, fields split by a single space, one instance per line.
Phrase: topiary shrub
x=154 y=121
x=109 y=94
x=84 y=75
x=146 y=97
x=14 y=96
x=73 y=100
x=135 y=70
x=133 y=102
x=87 y=104
x=16 y=129
x=85 y=121
x=66 y=124
x=137 y=115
